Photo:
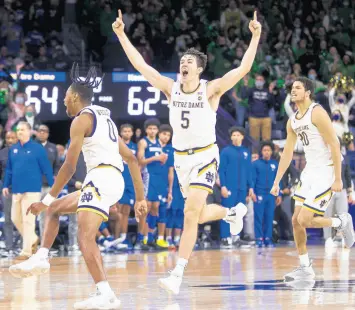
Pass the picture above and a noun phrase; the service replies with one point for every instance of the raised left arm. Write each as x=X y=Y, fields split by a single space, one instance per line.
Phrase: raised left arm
x=219 y=86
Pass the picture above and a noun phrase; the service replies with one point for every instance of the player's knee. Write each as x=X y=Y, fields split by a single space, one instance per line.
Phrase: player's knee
x=191 y=213
x=295 y=222
x=304 y=221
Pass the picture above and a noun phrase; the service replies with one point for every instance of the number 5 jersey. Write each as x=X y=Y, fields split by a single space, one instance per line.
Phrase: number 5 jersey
x=317 y=152
x=192 y=118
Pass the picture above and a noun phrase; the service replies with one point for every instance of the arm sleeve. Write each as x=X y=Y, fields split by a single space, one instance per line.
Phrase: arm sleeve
x=45 y=165
x=223 y=168
x=8 y=172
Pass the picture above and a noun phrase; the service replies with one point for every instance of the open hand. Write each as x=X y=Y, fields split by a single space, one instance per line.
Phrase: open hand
x=140 y=209
x=118 y=25
x=275 y=190
x=255 y=26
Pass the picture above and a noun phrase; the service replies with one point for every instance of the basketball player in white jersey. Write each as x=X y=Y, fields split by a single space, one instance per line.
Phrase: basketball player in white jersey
x=95 y=134
x=193 y=104
x=320 y=178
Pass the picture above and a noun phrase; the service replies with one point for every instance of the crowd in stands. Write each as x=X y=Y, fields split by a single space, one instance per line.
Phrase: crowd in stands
x=311 y=38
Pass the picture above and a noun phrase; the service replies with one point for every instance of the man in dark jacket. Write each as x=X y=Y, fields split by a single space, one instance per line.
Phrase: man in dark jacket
x=10 y=139
x=260 y=100
x=235 y=173
x=52 y=153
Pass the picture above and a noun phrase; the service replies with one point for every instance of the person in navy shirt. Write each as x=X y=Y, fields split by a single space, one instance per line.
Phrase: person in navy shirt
x=264 y=173
x=128 y=199
x=235 y=173
x=26 y=164
x=150 y=156
x=167 y=179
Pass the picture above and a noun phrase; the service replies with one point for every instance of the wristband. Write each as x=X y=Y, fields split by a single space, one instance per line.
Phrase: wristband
x=48 y=199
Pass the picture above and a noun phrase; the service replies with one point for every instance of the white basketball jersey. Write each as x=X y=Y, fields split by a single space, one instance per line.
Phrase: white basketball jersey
x=101 y=147
x=317 y=152
x=192 y=118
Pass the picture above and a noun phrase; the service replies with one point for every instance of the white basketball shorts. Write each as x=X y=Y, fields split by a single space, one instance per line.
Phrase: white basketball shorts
x=102 y=188
x=197 y=168
x=314 y=189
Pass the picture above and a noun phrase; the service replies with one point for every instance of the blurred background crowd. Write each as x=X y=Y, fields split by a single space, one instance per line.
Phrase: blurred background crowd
x=300 y=38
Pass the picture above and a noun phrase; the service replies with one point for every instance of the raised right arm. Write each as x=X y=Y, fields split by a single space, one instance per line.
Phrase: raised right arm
x=157 y=80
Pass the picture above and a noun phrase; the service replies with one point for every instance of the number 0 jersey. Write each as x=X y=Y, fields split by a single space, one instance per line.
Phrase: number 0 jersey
x=317 y=152
x=192 y=118
x=101 y=147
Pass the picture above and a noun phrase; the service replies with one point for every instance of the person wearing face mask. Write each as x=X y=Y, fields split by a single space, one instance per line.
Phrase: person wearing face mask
x=31 y=118
x=260 y=100
x=16 y=111
x=340 y=103
x=11 y=139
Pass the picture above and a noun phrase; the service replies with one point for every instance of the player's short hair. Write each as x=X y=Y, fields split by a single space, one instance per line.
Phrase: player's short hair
x=123 y=126
x=151 y=122
x=201 y=58
x=234 y=129
x=84 y=88
x=307 y=84
x=22 y=123
x=166 y=128
x=267 y=143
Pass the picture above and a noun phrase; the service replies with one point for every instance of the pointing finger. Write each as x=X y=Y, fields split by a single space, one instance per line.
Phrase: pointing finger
x=119 y=14
x=255 y=17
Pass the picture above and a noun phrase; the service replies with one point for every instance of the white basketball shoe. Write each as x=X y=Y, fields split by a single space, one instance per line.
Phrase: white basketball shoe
x=347 y=229
x=172 y=283
x=34 y=266
x=300 y=273
x=235 y=218
x=97 y=300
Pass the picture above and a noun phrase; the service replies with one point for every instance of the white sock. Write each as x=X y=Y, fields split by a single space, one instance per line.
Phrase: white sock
x=180 y=267
x=103 y=287
x=43 y=253
x=145 y=239
x=304 y=260
x=336 y=222
x=160 y=237
x=176 y=238
x=123 y=236
x=169 y=238
x=101 y=238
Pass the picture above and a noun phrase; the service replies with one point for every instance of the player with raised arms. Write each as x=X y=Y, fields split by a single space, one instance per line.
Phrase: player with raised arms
x=93 y=132
x=193 y=103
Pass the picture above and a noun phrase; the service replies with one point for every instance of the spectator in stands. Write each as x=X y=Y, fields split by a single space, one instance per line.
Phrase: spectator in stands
x=31 y=118
x=11 y=139
x=61 y=153
x=34 y=40
x=235 y=173
x=26 y=164
x=260 y=100
x=264 y=173
x=12 y=33
x=42 y=62
x=129 y=17
x=16 y=110
x=2 y=137
x=52 y=154
x=75 y=184
x=233 y=17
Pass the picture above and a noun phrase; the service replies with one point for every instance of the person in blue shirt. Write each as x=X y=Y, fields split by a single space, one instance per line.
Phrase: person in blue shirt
x=150 y=156
x=175 y=215
x=235 y=173
x=264 y=173
x=128 y=199
x=167 y=178
x=26 y=164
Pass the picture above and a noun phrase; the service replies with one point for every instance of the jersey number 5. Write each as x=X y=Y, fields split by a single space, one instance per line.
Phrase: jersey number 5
x=304 y=138
x=111 y=130
x=185 y=122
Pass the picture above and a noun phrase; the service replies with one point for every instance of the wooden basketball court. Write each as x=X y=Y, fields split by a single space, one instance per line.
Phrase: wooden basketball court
x=215 y=279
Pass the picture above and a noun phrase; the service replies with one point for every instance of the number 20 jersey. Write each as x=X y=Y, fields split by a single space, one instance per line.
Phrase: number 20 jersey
x=101 y=147
x=317 y=152
x=191 y=117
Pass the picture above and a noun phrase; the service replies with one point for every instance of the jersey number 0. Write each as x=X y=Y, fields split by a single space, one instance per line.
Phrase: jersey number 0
x=304 y=138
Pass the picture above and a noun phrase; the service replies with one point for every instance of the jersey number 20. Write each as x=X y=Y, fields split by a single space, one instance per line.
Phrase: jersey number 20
x=304 y=138
x=185 y=121
x=111 y=130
